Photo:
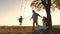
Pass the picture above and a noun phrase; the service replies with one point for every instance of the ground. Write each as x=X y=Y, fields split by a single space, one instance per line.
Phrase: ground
x=27 y=30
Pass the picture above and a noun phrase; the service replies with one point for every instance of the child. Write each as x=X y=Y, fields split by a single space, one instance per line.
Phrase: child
x=44 y=20
x=20 y=20
x=43 y=27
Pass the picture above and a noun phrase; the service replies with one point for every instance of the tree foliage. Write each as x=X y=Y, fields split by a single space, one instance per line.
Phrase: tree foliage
x=38 y=5
x=57 y=2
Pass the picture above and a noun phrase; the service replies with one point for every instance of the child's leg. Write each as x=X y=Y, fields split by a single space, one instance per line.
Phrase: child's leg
x=20 y=23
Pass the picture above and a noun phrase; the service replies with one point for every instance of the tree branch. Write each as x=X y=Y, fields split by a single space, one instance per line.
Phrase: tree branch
x=49 y=2
x=44 y=2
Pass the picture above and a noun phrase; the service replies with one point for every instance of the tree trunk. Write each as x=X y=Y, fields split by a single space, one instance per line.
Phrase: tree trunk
x=47 y=8
x=49 y=21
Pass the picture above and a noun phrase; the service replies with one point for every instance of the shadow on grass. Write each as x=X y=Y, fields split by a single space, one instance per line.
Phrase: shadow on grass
x=35 y=32
x=53 y=31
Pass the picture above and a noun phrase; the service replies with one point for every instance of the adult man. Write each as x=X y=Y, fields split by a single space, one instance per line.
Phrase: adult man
x=35 y=18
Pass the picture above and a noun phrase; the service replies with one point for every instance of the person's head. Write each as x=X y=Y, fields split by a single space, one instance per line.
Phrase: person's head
x=44 y=19
x=21 y=16
x=33 y=11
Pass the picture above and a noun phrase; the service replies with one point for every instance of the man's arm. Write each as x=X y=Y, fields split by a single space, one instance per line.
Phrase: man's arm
x=31 y=17
x=39 y=15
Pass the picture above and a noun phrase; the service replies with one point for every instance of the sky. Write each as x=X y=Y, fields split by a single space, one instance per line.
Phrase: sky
x=11 y=10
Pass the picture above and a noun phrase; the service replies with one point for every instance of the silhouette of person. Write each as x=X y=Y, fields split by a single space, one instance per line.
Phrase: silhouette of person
x=20 y=20
x=43 y=27
x=44 y=20
x=35 y=18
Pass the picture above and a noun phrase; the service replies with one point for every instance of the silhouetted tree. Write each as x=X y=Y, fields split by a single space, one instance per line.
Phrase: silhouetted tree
x=47 y=5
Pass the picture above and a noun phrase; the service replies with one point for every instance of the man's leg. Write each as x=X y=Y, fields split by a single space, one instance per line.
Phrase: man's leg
x=33 y=25
x=36 y=23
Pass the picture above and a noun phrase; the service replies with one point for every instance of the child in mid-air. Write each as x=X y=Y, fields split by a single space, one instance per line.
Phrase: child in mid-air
x=20 y=20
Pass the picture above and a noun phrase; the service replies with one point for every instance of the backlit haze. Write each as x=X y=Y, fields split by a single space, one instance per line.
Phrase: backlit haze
x=11 y=10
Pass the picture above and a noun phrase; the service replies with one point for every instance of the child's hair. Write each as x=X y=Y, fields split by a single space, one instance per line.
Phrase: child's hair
x=44 y=19
x=21 y=16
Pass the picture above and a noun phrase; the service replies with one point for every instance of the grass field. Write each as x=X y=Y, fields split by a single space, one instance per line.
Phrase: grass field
x=27 y=30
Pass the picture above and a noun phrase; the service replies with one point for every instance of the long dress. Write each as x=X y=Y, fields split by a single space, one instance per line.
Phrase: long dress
x=43 y=27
